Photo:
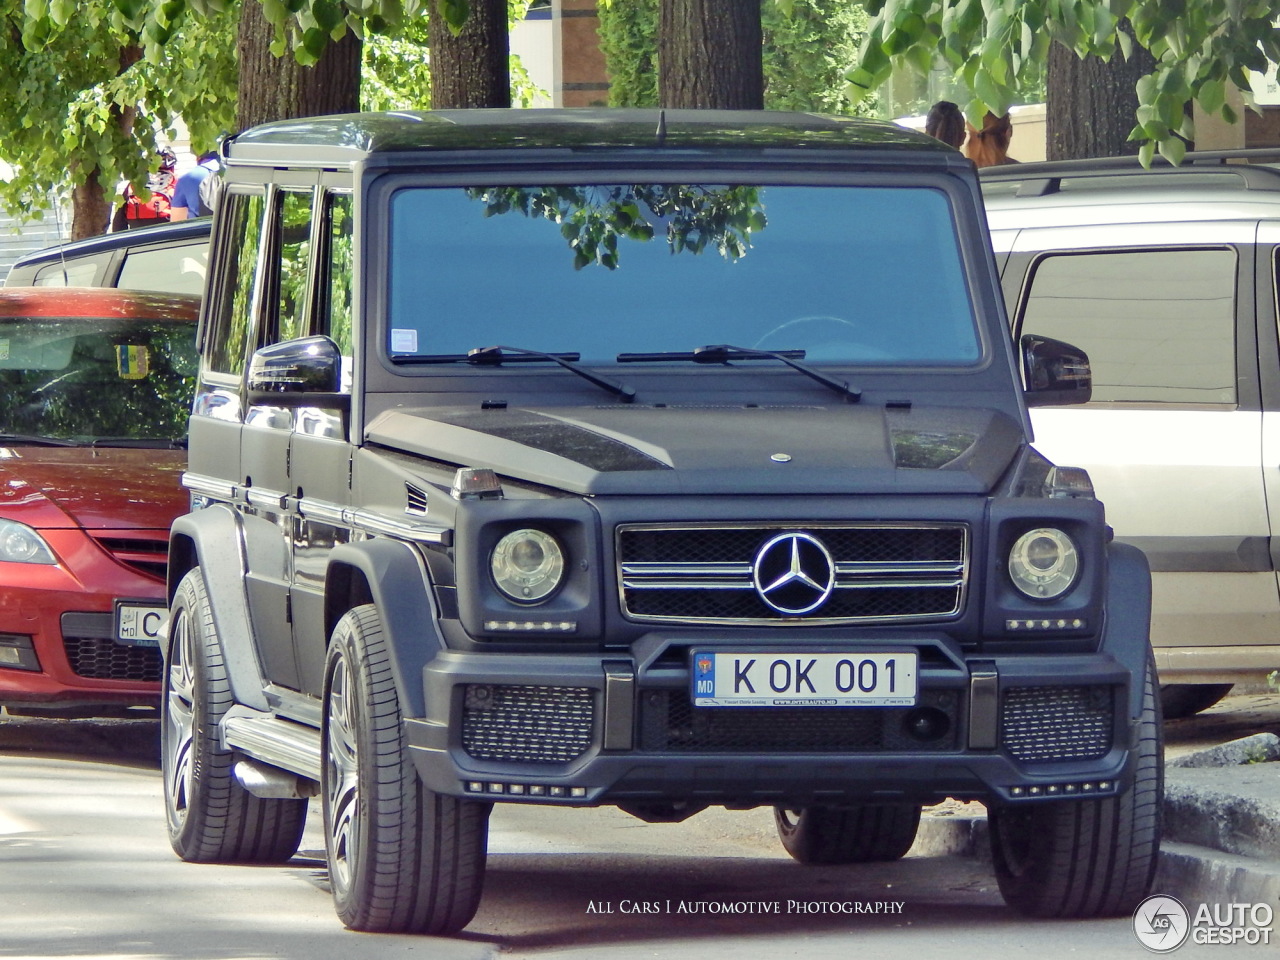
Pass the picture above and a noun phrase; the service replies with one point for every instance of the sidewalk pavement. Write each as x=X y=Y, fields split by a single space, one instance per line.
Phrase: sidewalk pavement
x=1221 y=825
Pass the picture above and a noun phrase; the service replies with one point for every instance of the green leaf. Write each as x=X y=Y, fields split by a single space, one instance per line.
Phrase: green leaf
x=1212 y=95
x=1173 y=150
x=455 y=14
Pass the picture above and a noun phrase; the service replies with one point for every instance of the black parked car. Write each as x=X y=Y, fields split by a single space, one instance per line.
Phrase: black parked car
x=657 y=460
x=167 y=258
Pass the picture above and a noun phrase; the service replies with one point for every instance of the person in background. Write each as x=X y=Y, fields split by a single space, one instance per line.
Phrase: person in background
x=989 y=147
x=945 y=122
x=136 y=212
x=191 y=197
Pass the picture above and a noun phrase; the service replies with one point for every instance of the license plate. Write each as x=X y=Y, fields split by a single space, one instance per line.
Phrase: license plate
x=141 y=624
x=755 y=679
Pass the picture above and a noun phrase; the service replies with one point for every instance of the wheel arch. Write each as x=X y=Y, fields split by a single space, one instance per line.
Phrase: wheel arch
x=1127 y=633
x=211 y=539
x=392 y=575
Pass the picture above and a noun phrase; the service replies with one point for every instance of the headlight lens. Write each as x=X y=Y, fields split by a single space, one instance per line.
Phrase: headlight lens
x=1044 y=563
x=20 y=544
x=527 y=565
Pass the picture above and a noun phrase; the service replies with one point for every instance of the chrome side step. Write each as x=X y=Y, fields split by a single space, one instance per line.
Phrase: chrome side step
x=292 y=747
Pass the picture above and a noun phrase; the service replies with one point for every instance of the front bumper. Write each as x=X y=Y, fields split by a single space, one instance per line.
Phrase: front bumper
x=591 y=729
x=58 y=622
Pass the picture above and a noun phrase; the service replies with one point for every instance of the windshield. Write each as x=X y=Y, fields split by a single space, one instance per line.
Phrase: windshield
x=99 y=380
x=866 y=275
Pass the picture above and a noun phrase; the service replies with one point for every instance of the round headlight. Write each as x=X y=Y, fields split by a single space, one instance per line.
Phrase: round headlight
x=1044 y=563
x=20 y=544
x=527 y=565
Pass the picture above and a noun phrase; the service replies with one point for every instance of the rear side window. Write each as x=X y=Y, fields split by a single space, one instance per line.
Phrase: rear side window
x=173 y=269
x=76 y=272
x=1158 y=325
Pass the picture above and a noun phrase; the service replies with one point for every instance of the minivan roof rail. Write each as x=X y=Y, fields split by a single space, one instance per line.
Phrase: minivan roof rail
x=1247 y=166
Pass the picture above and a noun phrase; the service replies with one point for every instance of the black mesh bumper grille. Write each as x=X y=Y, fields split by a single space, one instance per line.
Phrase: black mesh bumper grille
x=669 y=722
x=107 y=660
x=1047 y=724
x=93 y=653
x=530 y=724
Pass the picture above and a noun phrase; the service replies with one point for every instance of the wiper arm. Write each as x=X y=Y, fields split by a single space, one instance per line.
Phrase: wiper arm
x=724 y=352
x=142 y=443
x=498 y=355
x=38 y=441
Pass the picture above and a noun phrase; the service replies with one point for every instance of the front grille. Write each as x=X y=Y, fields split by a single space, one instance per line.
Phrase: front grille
x=881 y=572
x=93 y=653
x=147 y=554
x=531 y=724
x=670 y=722
x=1047 y=724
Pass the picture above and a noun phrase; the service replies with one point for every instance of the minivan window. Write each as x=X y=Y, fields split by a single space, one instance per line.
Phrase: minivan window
x=863 y=275
x=1158 y=325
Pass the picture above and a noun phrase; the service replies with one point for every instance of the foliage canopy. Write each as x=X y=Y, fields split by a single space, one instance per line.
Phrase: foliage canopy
x=1200 y=46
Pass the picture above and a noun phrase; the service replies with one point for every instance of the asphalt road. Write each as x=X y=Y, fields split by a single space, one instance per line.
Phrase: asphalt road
x=86 y=871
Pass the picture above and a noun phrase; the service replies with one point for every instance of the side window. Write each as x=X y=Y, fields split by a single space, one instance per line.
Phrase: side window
x=175 y=269
x=233 y=314
x=1158 y=325
x=336 y=318
x=294 y=218
x=76 y=272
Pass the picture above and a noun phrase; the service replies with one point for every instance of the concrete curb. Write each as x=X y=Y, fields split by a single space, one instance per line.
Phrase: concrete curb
x=1221 y=832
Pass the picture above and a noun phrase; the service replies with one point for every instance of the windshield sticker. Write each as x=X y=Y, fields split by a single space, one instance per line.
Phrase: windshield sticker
x=131 y=361
x=404 y=341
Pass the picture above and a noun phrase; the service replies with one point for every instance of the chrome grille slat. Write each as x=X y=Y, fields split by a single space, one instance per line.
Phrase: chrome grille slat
x=882 y=572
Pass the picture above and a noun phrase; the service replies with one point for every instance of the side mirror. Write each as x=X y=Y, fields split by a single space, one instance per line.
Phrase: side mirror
x=307 y=370
x=1056 y=373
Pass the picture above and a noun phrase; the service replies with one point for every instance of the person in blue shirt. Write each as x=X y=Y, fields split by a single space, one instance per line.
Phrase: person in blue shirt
x=190 y=198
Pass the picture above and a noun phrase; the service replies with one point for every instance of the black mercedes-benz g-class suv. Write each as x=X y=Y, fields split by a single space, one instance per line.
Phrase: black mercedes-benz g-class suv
x=657 y=460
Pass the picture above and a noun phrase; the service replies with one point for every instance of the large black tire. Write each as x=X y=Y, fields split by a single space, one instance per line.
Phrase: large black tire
x=1179 y=700
x=1086 y=858
x=402 y=858
x=212 y=818
x=861 y=833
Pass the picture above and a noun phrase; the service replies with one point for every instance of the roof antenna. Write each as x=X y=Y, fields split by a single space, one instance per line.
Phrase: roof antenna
x=662 y=127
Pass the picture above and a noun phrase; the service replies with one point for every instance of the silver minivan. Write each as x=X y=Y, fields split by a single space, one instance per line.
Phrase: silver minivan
x=1167 y=278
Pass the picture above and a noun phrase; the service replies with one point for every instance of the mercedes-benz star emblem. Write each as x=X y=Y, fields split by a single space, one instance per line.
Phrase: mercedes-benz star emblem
x=794 y=573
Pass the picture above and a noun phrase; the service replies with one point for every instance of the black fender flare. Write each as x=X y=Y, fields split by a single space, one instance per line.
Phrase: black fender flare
x=1127 y=633
x=392 y=575
x=213 y=540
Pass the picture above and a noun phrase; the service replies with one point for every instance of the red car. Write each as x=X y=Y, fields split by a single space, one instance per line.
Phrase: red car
x=95 y=389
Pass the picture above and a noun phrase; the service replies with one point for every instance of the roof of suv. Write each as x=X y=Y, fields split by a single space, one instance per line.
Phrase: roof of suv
x=348 y=138
x=1218 y=185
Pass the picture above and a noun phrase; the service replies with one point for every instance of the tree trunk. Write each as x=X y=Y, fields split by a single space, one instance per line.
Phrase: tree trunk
x=90 y=208
x=279 y=88
x=470 y=69
x=710 y=55
x=1090 y=103
x=91 y=201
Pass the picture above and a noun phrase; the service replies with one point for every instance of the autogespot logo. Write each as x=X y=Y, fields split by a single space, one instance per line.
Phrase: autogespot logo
x=1161 y=923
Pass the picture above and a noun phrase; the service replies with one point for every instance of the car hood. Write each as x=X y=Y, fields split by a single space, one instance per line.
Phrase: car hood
x=97 y=488
x=637 y=449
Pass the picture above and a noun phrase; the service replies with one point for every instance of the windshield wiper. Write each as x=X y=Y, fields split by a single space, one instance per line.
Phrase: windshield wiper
x=724 y=352
x=143 y=443
x=38 y=441
x=498 y=355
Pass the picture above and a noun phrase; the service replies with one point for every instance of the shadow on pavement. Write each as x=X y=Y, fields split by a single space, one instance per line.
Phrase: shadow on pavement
x=124 y=742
